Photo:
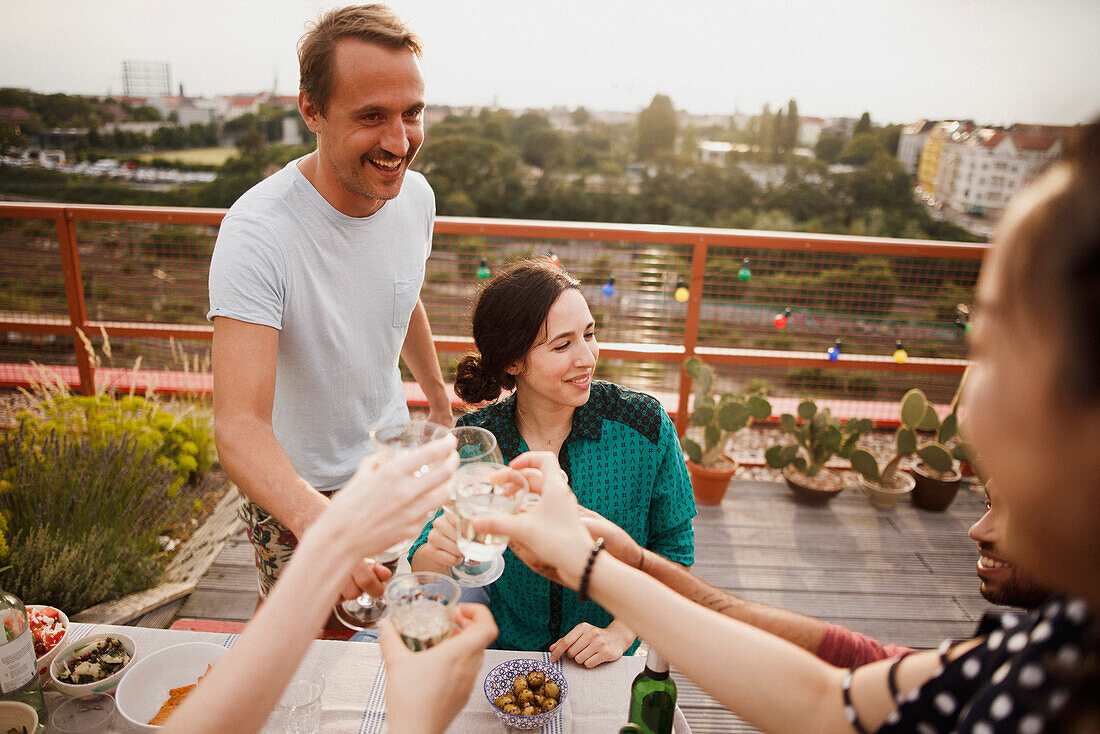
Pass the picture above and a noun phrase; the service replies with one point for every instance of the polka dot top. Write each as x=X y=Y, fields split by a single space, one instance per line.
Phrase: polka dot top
x=624 y=461
x=1008 y=683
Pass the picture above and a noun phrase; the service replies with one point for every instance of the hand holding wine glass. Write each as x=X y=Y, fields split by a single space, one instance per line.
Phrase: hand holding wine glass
x=485 y=490
x=550 y=531
x=397 y=445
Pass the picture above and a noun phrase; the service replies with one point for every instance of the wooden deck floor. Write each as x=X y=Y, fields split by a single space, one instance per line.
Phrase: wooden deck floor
x=904 y=576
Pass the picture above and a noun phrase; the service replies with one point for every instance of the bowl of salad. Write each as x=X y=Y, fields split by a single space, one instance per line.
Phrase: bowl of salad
x=50 y=631
x=93 y=664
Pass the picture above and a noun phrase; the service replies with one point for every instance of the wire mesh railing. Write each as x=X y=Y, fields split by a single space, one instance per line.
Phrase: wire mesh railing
x=766 y=309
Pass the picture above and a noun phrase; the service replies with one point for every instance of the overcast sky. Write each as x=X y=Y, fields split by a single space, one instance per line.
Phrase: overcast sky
x=997 y=62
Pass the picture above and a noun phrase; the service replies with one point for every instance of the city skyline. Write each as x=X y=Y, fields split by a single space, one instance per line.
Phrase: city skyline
x=998 y=63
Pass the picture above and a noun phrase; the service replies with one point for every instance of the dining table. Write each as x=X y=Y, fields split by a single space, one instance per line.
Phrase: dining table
x=355 y=686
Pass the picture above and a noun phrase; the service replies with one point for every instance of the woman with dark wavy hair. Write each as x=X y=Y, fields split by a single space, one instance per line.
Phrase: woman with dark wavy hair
x=536 y=338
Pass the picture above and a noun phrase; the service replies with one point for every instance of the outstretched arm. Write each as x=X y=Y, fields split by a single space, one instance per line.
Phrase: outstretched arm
x=775 y=685
x=420 y=357
x=377 y=508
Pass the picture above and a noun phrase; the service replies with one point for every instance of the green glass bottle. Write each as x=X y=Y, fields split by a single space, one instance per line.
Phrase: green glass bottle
x=653 y=697
x=18 y=665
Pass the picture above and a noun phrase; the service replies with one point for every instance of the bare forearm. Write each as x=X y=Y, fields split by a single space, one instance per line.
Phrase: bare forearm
x=420 y=357
x=806 y=632
x=258 y=465
x=293 y=615
x=750 y=672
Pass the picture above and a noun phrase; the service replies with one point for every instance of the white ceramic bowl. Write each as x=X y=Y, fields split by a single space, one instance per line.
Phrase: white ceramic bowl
x=100 y=686
x=17 y=715
x=498 y=681
x=143 y=691
x=44 y=660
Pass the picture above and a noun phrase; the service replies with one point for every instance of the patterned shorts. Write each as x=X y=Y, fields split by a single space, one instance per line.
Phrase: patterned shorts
x=271 y=540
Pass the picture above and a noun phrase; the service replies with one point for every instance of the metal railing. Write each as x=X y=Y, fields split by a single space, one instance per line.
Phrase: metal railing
x=763 y=307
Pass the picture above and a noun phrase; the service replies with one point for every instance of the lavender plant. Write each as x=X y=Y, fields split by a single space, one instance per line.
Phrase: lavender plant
x=83 y=517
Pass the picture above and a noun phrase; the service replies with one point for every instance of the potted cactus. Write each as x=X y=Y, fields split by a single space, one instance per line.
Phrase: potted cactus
x=819 y=436
x=886 y=485
x=935 y=490
x=720 y=416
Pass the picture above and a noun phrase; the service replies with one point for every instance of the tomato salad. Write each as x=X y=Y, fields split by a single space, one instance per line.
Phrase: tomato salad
x=46 y=628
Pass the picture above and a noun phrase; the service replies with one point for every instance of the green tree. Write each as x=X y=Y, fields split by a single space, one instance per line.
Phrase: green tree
x=11 y=136
x=861 y=149
x=864 y=124
x=147 y=113
x=790 y=130
x=252 y=144
x=828 y=147
x=657 y=128
x=544 y=147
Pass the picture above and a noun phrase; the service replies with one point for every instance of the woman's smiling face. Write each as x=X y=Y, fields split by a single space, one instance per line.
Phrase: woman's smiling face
x=558 y=369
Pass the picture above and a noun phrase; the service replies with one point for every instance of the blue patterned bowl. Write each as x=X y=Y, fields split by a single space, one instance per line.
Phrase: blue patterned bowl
x=498 y=681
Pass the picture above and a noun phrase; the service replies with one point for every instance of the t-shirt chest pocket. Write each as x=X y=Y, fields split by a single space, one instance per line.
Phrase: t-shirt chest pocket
x=405 y=293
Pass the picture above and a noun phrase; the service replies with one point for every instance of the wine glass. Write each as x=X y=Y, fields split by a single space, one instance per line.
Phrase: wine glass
x=483 y=490
x=420 y=606
x=475 y=445
x=390 y=442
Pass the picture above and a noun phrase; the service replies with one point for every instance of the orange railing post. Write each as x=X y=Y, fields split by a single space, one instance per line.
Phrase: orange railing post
x=691 y=328
x=74 y=295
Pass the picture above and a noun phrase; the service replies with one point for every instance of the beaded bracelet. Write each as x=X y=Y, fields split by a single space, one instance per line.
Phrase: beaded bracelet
x=582 y=590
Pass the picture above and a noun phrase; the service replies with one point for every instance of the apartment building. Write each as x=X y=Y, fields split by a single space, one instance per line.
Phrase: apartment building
x=980 y=171
x=911 y=143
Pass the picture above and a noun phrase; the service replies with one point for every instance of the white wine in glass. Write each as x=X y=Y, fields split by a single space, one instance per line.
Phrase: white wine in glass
x=486 y=490
x=475 y=445
x=421 y=604
x=390 y=442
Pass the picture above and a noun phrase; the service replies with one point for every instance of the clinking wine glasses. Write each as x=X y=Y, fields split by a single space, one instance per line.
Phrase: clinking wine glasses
x=389 y=442
x=483 y=490
x=475 y=446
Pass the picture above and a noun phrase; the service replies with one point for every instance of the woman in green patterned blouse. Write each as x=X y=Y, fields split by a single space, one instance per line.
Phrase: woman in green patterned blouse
x=536 y=337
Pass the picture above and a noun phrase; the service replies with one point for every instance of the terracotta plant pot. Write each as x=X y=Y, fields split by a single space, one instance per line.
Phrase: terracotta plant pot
x=817 y=490
x=885 y=498
x=934 y=491
x=709 y=485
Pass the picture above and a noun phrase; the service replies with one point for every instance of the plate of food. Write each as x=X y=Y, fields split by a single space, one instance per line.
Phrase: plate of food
x=94 y=664
x=50 y=630
x=162 y=680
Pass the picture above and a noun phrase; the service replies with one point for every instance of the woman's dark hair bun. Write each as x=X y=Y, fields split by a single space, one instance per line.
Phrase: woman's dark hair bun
x=473 y=383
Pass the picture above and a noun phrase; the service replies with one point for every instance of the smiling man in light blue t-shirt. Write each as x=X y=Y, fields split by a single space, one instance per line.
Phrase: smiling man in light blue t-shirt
x=315 y=288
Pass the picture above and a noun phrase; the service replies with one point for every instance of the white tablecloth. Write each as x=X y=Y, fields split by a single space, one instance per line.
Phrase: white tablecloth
x=355 y=684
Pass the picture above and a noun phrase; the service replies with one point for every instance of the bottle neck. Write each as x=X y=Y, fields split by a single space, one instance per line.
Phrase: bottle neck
x=655 y=665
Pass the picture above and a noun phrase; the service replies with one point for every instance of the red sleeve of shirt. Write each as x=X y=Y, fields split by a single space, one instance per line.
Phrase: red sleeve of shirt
x=847 y=649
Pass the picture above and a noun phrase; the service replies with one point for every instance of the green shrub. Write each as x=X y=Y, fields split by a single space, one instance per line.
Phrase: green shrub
x=183 y=444
x=83 y=517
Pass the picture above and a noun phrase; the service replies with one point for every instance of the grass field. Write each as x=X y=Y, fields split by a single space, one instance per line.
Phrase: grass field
x=200 y=156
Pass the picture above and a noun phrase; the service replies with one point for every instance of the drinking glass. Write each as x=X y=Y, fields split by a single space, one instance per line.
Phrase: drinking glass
x=420 y=606
x=390 y=442
x=475 y=445
x=300 y=705
x=484 y=490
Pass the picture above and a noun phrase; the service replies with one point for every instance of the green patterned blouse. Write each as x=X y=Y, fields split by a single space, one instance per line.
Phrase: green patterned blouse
x=624 y=461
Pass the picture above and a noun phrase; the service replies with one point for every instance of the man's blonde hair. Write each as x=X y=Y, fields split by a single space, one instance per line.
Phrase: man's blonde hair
x=374 y=23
